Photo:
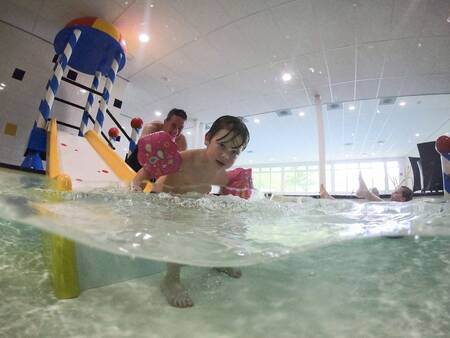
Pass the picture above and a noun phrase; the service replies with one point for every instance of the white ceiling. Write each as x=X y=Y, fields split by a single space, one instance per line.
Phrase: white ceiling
x=215 y=57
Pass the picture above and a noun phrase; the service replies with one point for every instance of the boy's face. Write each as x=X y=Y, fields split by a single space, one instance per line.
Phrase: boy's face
x=174 y=125
x=223 y=152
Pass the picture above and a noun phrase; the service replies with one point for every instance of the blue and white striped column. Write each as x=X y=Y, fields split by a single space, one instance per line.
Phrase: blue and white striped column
x=89 y=102
x=133 y=141
x=53 y=84
x=106 y=93
x=445 y=158
x=36 y=148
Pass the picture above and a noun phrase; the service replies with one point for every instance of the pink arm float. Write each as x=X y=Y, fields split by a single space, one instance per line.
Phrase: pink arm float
x=239 y=183
x=158 y=154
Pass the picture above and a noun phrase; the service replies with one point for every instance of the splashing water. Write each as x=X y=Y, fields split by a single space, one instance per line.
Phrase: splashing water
x=208 y=230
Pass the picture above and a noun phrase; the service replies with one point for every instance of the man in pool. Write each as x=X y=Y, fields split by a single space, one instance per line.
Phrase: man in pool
x=173 y=124
x=401 y=194
x=199 y=170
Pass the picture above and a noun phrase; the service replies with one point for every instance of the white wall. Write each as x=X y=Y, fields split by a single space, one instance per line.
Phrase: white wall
x=19 y=101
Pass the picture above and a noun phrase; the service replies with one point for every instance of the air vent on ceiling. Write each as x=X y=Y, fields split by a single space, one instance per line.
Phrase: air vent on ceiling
x=282 y=113
x=334 y=106
x=387 y=100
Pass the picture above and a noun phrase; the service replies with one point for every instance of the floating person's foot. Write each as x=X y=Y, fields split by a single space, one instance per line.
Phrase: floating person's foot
x=232 y=272
x=324 y=193
x=175 y=294
x=362 y=189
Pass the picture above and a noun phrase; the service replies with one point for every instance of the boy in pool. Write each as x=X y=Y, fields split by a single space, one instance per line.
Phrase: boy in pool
x=199 y=170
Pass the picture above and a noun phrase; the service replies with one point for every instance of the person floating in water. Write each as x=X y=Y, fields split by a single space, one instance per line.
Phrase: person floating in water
x=197 y=171
x=401 y=194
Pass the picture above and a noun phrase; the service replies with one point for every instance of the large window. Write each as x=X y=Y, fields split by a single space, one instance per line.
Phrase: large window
x=342 y=177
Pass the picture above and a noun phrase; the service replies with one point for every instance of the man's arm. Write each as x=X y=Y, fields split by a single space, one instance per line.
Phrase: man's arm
x=181 y=142
x=150 y=128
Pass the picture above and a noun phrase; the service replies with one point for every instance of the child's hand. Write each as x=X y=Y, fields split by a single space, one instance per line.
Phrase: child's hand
x=158 y=154
x=239 y=183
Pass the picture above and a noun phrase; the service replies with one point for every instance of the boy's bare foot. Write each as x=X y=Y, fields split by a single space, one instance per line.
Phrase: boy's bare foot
x=232 y=272
x=175 y=293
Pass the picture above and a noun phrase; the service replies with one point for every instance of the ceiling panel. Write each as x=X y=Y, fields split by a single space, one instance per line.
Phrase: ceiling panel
x=204 y=15
x=341 y=63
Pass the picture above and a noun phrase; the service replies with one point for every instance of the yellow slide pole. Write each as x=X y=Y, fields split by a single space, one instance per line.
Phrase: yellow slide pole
x=61 y=251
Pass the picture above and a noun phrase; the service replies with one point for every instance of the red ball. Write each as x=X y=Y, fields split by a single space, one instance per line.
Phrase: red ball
x=137 y=123
x=443 y=144
x=113 y=132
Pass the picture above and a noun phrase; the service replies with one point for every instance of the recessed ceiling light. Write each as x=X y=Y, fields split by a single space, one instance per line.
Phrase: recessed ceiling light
x=311 y=69
x=302 y=113
x=256 y=120
x=419 y=44
x=83 y=91
x=152 y=5
x=188 y=132
x=1 y=88
x=157 y=113
x=448 y=19
x=351 y=107
x=144 y=38
x=417 y=134
x=2 y=84
x=402 y=103
x=378 y=111
x=286 y=77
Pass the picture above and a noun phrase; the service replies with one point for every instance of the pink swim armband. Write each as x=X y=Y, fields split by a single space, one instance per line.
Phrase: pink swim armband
x=239 y=183
x=158 y=154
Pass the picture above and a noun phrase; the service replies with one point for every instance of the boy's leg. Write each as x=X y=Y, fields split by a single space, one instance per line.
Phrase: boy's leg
x=364 y=192
x=171 y=287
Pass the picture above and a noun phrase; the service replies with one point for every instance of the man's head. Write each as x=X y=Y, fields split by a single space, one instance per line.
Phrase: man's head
x=174 y=122
x=226 y=139
x=402 y=194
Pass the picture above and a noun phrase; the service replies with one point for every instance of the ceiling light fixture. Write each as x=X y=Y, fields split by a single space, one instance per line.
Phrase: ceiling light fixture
x=351 y=107
x=83 y=91
x=1 y=88
x=301 y=114
x=402 y=103
x=417 y=134
x=188 y=132
x=144 y=38
x=256 y=120
x=286 y=77
x=157 y=113
x=2 y=84
x=311 y=69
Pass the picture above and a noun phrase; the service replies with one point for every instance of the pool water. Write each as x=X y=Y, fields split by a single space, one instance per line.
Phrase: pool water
x=311 y=268
x=376 y=287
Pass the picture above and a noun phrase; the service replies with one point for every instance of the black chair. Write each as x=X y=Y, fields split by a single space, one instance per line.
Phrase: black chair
x=430 y=161
x=417 y=177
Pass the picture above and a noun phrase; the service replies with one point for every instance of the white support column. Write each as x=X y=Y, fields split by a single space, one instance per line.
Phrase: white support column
x=321 y=139
x=198 y=134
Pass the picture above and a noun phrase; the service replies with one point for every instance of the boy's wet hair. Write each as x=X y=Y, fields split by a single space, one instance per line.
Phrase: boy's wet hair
x=177 y=112
x=234 y=125
x=406 y=193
